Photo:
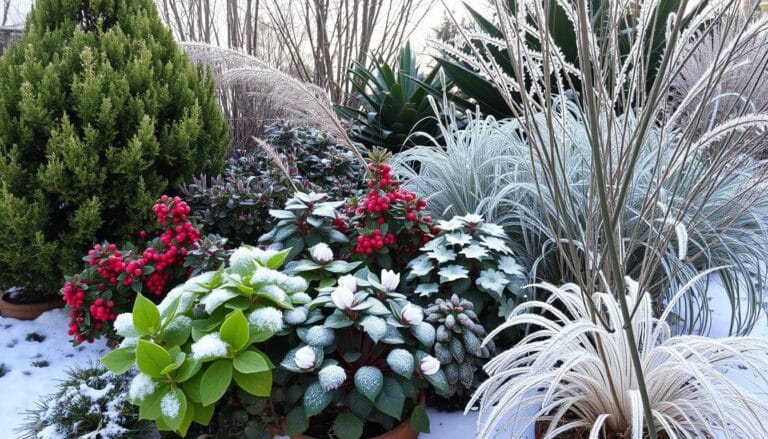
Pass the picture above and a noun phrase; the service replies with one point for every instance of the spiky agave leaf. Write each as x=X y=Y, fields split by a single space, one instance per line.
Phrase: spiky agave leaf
x=558 y=370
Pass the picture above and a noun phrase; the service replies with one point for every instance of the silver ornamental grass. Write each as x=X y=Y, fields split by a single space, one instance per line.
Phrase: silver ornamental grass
x=576 y=371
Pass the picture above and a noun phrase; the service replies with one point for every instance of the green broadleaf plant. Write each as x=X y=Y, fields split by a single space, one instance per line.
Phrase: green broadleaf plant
x=203 y=338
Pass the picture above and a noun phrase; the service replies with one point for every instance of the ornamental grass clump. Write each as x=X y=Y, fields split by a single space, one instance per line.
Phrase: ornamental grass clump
x=100 y=113
x=574 y=369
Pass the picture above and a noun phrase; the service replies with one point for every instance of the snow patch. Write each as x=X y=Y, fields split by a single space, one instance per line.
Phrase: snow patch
x=209 y=346
x=267 y=318
x=141 y=387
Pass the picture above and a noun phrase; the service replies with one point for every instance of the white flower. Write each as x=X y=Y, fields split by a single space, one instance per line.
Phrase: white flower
x=305 y=358
x=473 y=218
x=475 y=251
x=411 y=315
x=429 y=365
x=349 y=282
x=321 y=253
x=343 y=298
x=492 y=280
x=390 y=280
x=453 y=272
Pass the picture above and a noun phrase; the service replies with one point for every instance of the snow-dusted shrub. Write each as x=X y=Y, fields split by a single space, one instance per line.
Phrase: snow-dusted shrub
x=363 y=355
x=91 y=403
x=204 y=338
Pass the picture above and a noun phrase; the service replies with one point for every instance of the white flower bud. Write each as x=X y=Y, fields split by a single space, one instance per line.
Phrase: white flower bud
x=305 y=358
x=321 y=253
x=411 y=315
x=390 y=280
x=349 y=282
x=343 y=298
x=429 y=365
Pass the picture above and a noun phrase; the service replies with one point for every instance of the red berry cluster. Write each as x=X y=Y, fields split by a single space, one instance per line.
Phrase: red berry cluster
x=113 y=277
x=388 y=220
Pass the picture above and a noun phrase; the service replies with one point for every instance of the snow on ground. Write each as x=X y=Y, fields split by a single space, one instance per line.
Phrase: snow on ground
x=37 y=355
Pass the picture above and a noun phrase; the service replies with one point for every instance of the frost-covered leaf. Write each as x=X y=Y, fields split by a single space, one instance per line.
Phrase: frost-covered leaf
x=450 y=225
x=320 y=336
x=496 y=244
x=391 y=399
x=442 y=255
x=425 y=333
x=296 y=316
x=426 y=290
x=509 y=265
x=401 y=362
x=209 y=347
x=368 y=381
x=475 y=251
x=453 y=272
x=216 y=298
x=332 y=377
x=421 y=266
x=316 y=399
x=266 y=319
x=493 y=230
x=492 y=281
x=375 y=327
x=458 y=238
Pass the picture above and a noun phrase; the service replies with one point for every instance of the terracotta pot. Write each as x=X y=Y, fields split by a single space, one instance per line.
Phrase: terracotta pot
x=402 y=431
x=28 y=311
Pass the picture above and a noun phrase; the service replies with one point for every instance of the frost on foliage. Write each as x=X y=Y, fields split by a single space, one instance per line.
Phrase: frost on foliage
x=300 y=298
x=201 y=279
x=375 y=327
x=369 y=380
x=267 y=319
x=242 y=258
x=276 y=293
x=451 y=273
x=425 y=333
x=216 y=298
x=179 y=323
x=141 y=387
x=170 y=405
x=180 y=295
x=129 y=342
x=475 y=251
x=421 y=266
x=493 y=230
x=509 y=265
x=320 y=336
x=209 y=346
x=459 y=238
x=296 y=316
x=401 y=361
x=124 y=324
x=266 y=276
x=496 y=244
x=442 y=255
x=450 y=225
x=426 y=290
x=332 y=377
x=492 y=280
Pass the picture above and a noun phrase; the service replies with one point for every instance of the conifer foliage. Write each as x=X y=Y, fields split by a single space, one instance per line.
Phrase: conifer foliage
x=100 y=113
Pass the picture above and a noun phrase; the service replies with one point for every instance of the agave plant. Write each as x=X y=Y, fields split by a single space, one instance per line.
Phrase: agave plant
x=574 y=368
x=393 y=101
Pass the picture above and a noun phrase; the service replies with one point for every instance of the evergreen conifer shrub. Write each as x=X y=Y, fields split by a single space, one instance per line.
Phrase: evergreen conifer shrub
x=100 y=113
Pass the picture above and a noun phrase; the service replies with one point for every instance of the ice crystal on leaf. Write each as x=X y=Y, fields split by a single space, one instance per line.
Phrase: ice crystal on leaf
x=496 y=244
x=425 y=333
x=332 y=377
x=509 y=265
x=420 y=266
x=267 y=319
x=141 y=387
x=426 y=290
x=170 y=405
x=124 y=324
x=296 y=316
x=375 y=327
x=459 y=238
x=369 y=380
x=442 y=255
x=451 y=273
x=320 y=336
x=475 y=251
x=401 y=362
x=209 y=346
